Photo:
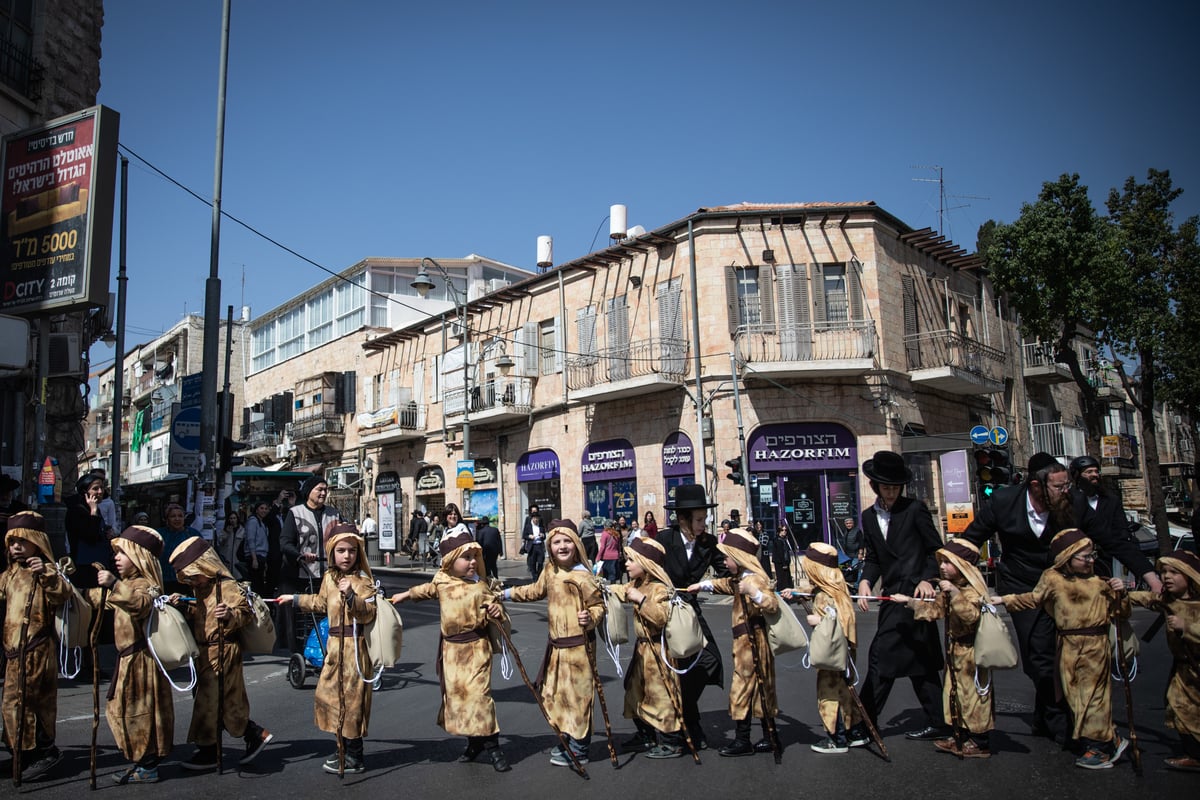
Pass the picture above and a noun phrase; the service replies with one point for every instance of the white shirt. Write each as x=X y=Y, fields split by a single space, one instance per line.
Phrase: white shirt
x=1036 y=521
x=884 y=516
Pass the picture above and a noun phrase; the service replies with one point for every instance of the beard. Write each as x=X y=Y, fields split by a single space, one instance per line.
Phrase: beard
x=1061 y=512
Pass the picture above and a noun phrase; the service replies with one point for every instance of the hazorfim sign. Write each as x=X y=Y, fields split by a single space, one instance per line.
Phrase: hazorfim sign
x=56 y=213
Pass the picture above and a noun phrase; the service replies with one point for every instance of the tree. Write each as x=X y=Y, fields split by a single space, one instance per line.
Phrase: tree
x=1054 y=263
x=1140 y=317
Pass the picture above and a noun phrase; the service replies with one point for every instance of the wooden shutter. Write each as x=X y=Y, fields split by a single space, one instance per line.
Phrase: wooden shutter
x=854 y=289
x=670 y=324
x=617 y=330
x=732 y=303
x=585 y=330
x=912 y=348
x=528 y=358
x=817 y=275
x=766 y=296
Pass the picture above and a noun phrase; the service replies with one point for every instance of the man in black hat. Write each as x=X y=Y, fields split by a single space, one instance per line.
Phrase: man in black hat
x=690 y=551
x=416 y=528
x=488 y=536
x=901 y=540
x=1102 y=517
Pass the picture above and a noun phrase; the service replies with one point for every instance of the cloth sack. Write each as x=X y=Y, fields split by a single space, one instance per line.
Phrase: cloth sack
x=384 y=634
x=258 y=635
x=784 y=631
x=1130 y=643
x=827 y=647
x=616 y=619
x=171 y=643
x=994 y=648
x=683 y=635
x=72 y=628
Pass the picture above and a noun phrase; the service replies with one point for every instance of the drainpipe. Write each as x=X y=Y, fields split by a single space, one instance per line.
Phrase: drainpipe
x=695 y=309
x=562 y=333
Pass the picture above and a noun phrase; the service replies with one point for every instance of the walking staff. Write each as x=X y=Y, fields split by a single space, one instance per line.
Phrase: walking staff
x=589 y=643
x=220 y=681
x=768 y=718
x=22 y=670
x=341 y=740
x=957 y=728
x=1126 y=678
x=94 y=640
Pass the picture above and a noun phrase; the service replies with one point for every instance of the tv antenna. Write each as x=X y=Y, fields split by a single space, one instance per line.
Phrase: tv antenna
x=940 y=180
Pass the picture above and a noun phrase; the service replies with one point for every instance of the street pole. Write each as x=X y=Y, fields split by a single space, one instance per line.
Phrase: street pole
x=737 y=405
x=118 y=417
x=212 y=296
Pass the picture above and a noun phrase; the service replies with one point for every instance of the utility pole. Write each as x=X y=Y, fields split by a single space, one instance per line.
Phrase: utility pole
x=118 y=417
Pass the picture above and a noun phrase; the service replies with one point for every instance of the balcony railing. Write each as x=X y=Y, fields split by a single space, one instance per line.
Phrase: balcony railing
x=659 y=357
x=405 y=417
x=322 y=425
x=261 y=434
x=817 y=341
x=951 y=349
x=509 y=394
x=1060 y=441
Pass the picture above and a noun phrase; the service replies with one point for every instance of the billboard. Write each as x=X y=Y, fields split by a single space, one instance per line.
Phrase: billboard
x=56 y=213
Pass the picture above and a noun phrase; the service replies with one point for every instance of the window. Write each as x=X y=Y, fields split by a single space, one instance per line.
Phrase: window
x=834 y=293
x=616 y=318
x=17 y=66
x=749 y=298
x=549 y=346
x=585 y=328
x=291 y=333
x=349 y=305
x=320 y=319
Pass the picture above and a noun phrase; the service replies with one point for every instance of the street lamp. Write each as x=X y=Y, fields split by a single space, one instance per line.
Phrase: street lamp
x=423 y=284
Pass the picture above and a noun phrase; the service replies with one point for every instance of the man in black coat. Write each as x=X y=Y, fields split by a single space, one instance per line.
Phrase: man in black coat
x=901 y=541
x=416 y=528
x=488 y=537
x=1102 y=517
x=690 y=551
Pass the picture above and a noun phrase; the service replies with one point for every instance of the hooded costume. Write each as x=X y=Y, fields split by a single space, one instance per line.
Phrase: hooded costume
x=1080 y=606
x=566 y=674
x=820 y=565
x=347 y=616
x=42 y=594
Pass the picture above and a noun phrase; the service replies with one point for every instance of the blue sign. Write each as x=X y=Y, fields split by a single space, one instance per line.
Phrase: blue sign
x=980 y=434
x=184 y=457
x=189 y=394
x=999 y=436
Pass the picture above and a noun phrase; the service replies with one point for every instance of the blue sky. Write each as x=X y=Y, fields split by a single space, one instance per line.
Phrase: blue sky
x=358 y=129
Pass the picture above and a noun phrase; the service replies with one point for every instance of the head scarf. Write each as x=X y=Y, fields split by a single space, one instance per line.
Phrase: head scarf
x=649 y=555
x=30 y=526
x=142 y=546
x=308 y=485
x=742 y=546
x=567 y=528
x=1186 y=563
x=453 y=547
x=195 y=557
x=820 y=564
x=1067 y=543
x=965 y=558
x=344 y=531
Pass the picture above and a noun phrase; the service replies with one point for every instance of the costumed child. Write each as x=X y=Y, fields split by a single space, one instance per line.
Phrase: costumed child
x=835 y=706
x=219 y=611
x=1079 y=602
x=574 y=608
x=31 y=586
x=1180 y=601
x=967 y=590
x=756 y=597
x=464 y=660
x=140 y=710
x=347 y=599
x=652 y=694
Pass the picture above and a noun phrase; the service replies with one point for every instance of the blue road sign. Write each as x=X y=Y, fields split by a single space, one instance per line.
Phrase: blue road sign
x=999 y=436
x=980 y=434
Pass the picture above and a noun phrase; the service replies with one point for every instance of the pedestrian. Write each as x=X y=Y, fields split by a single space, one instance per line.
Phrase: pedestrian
x=427 y=541
x=609 y=553
x=533 y=539
x=836 y=707
x=649 y=525
x=342 y=703
x=766 y=546
x=229 y=542
x=1101 y=515
x=971 y=713
x=752 y=690
x=490 y=544
x=651 y=687
x=173 y=532
x=307 y=525
x=274 y=522
x=1180 y=602
x=574 y=608
x=587 y=535
x=86 y=535
x=417 y=528
x=901 y=546
x=31 y=588
x=217 y=613
x=781 y=557
x=256 y=547
x=140 y=710
x=1080 y=603
x=468 y=601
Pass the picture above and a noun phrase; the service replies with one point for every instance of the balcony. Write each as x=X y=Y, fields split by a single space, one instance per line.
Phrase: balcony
x=1107 y=383
x=952 y=363
x=641 y=367
x=816 y=350
x=391 y=424
x=1061 y=441
x=499 y=400
x=320 y=433
x=1042 y=367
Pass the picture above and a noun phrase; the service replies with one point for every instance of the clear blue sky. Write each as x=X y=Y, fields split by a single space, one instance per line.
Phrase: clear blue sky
x=408 y=129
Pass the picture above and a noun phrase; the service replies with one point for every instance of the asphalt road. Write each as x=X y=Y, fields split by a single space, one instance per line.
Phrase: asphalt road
x=408 y=754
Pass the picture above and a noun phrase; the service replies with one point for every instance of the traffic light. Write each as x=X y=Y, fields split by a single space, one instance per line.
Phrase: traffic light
x=228 y=447
x=735 y=470
x=993 y=469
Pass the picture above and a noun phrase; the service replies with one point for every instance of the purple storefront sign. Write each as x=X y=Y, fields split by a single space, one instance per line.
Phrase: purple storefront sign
x=801 y=446
x=678 y=457
x=608 y=461
x=956 y=483
x=537 y=465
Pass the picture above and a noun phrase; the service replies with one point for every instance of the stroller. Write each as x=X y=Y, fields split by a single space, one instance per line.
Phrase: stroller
x=312 y=639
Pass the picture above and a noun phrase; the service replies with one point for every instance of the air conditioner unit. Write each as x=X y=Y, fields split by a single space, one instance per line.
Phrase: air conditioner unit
x=281 y=451
x=64 y=355
x=496 y=284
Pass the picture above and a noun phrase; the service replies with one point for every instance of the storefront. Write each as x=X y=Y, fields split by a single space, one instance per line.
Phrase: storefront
x=429 y=493
x=804 y=479
x=485 y=497
x=678 y=467
x=609 y=471
x=538 y=477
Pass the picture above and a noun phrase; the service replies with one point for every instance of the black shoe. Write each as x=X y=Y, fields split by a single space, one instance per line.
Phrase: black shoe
x=353 y=765
x=41 y=766
x=499 y=762
x=738 y=747
x=638 y=743
x=204 y=759
x=926 y=734
x=764 y=745
x=471 y=753
x=256 y=740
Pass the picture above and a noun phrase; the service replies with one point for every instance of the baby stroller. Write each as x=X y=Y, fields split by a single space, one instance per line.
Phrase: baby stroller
x=312 y=637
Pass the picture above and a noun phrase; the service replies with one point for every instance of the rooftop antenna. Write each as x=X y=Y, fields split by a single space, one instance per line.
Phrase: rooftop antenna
x=940 y=180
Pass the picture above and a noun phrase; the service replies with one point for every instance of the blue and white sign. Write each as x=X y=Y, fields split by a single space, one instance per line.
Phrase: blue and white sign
x=980 y=434
x=185 y=441
x=999 y=436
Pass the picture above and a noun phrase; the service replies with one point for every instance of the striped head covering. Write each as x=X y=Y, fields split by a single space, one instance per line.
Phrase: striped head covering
x=1185 y=562
x=965 y=558
x=1067 y=543
x=820 y=564
x=455 y=546
x=345 y=531
x=742 y=546
x=195 y=558
x=649 y=555
x=30 y=526
x=565 y=527
x=142 y=546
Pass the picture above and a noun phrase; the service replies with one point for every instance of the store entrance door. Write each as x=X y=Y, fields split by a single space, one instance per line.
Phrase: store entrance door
x=802 y=507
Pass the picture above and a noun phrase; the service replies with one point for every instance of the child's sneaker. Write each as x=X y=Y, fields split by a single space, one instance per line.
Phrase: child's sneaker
x=255 y=743
x=1120 y=748
x=1094 y=759
x=561 y=759
x=354 y=765
x=141 y=775
x=828 y=745
x=638 y=743
x=664 y=751
x=205 y=758
x=858 y=736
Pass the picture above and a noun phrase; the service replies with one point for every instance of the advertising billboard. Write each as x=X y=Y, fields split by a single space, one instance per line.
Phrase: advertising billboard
x=56 y=213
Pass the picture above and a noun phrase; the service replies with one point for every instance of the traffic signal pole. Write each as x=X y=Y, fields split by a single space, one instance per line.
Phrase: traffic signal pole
x=737 y=405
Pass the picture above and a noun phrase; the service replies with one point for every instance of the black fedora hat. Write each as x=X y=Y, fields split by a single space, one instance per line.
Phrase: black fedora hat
x=690 y=496
x=887 y=468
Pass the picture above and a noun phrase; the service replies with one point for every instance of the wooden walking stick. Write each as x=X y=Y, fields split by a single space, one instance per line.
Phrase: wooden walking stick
x=93 y=640
x=589 y=645
x=1135 y=753
x=538 y=697
x=22 y=675
x=341 y=740
x=957 y=726
x=220 y=682
x=768 y=718
x=671 y=683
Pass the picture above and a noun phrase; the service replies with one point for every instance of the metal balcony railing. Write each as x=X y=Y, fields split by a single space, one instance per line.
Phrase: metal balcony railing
x=1060 y=441
x=817 y=341
x=322 y=425
x=666 y=358
x=951 y=349
x=406 y=416
x=511 y=394
x=260 y=434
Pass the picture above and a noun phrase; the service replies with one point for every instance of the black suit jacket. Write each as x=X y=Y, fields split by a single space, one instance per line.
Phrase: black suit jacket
x=906 y=556
x=1107 y=527
x=1024 y=555
x=488 y=537
x=684 y=571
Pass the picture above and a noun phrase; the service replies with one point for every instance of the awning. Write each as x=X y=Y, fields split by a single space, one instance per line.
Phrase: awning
x=278 y=465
